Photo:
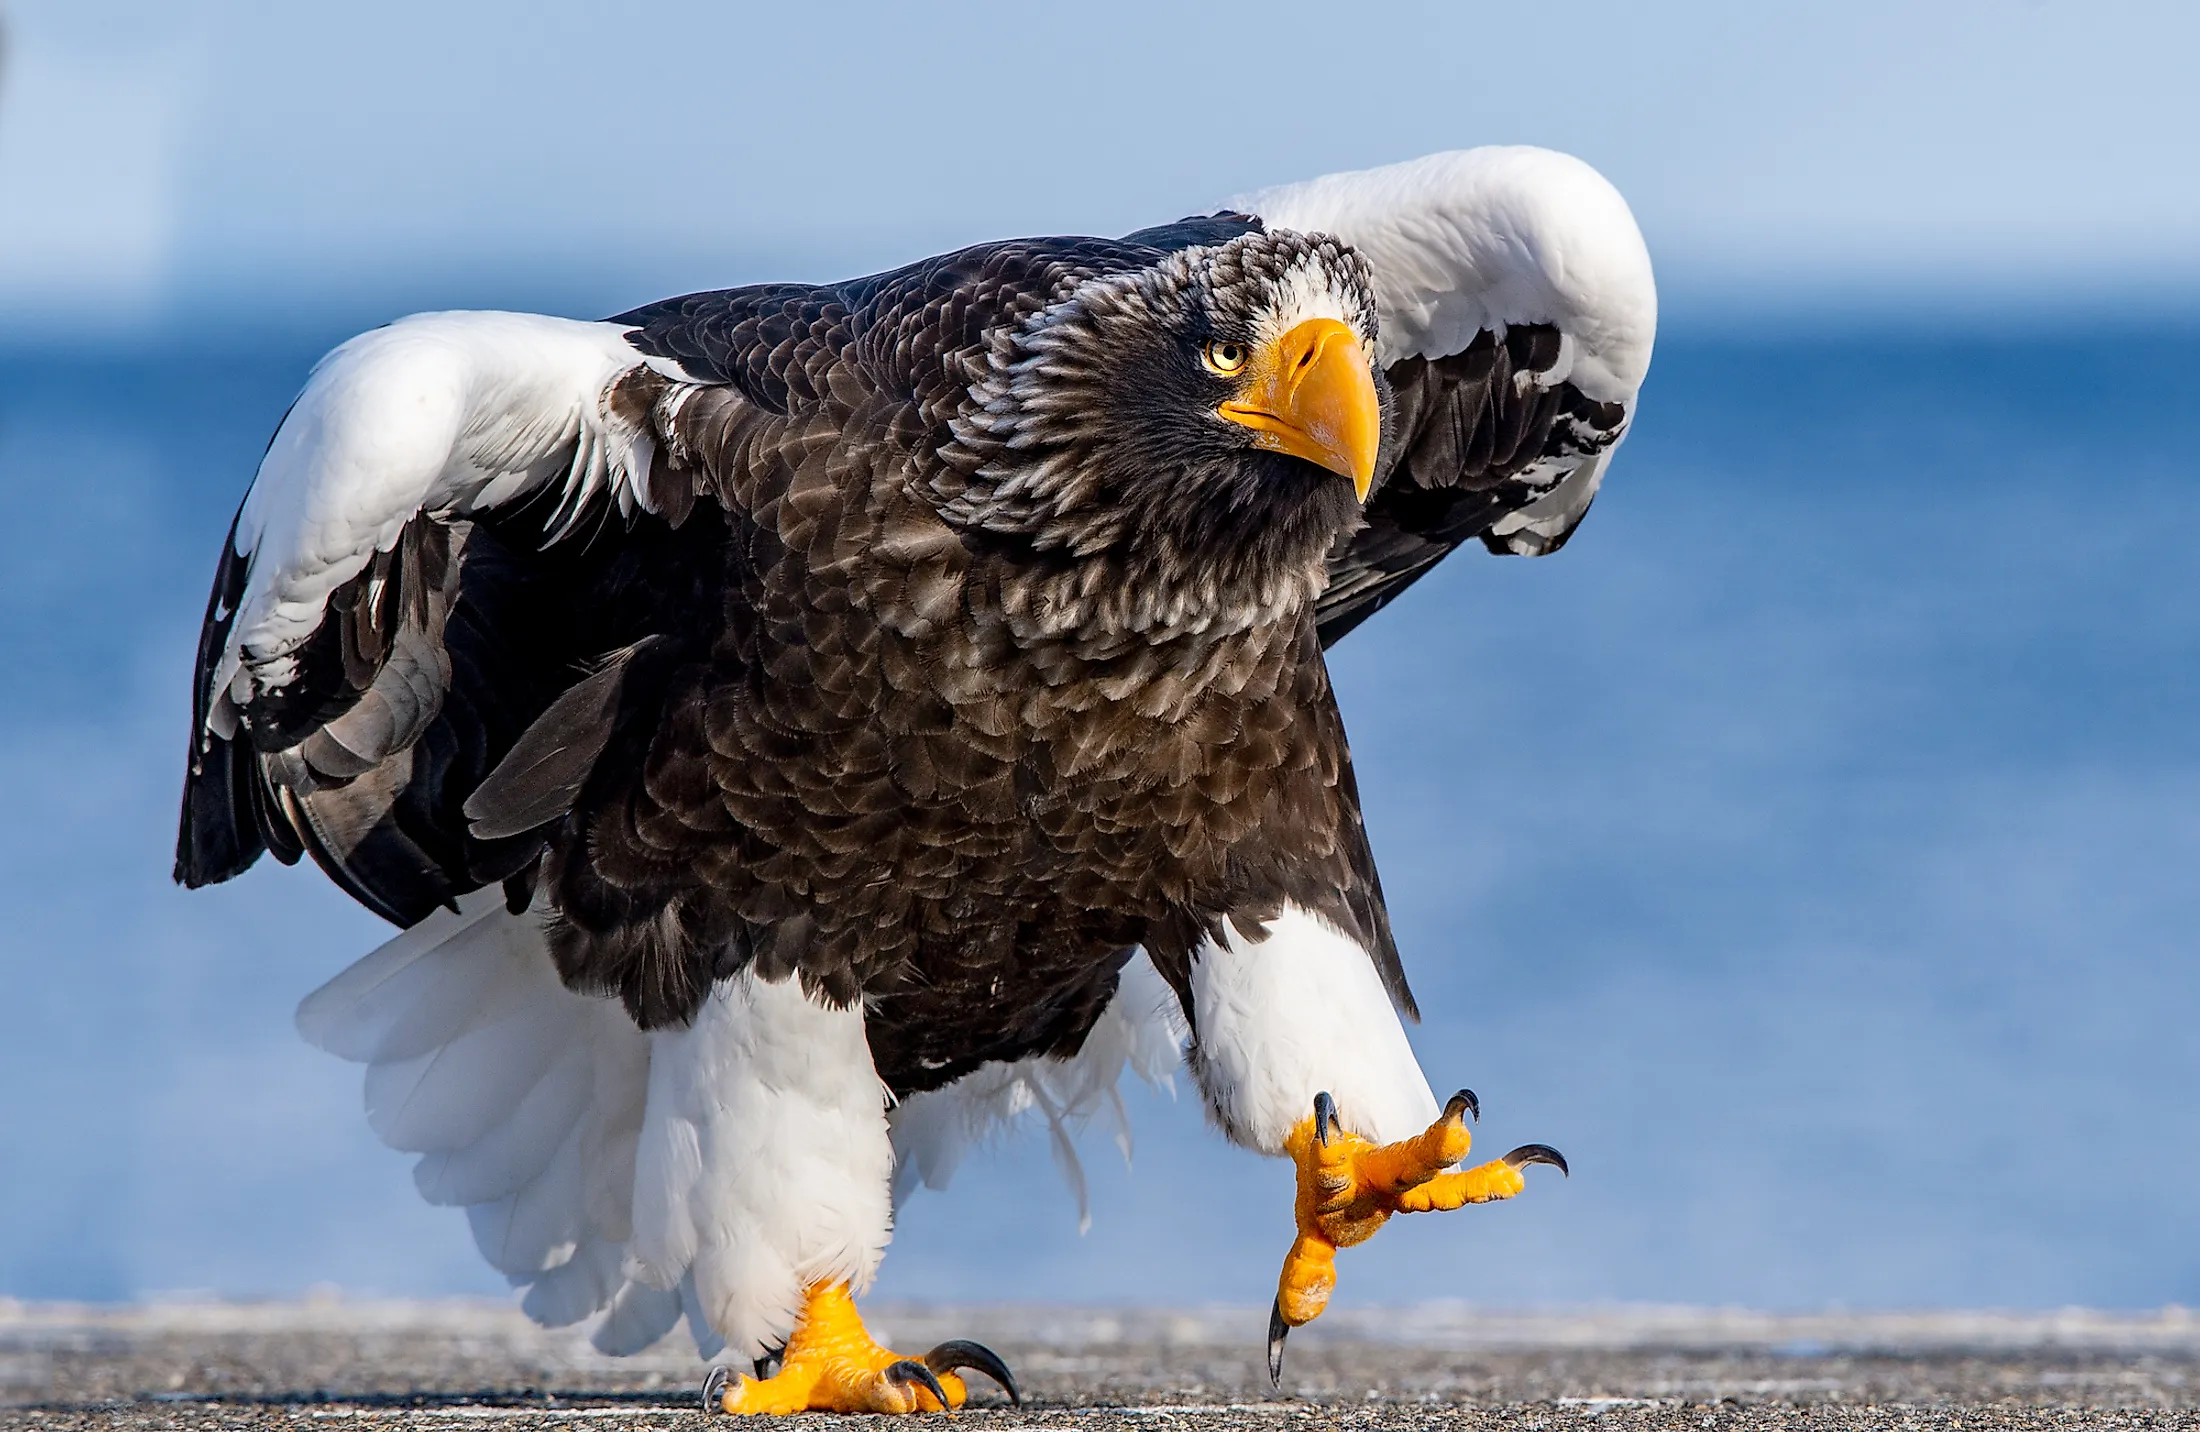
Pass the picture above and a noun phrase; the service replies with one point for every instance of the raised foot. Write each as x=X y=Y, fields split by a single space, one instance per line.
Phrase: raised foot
x=832 y=1365
x=1348 y=1188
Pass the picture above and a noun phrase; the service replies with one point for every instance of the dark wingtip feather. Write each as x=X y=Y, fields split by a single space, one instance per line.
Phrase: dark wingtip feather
x=217 y=838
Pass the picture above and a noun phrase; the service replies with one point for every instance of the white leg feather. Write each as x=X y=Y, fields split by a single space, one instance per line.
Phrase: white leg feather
x=764 y=1162
x=1278 y=1020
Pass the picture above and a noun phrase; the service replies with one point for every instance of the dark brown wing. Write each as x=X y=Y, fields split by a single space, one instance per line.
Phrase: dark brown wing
x=431 y=667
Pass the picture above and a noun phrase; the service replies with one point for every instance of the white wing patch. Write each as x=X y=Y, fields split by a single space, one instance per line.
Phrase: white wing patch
x=1142 y=1031
x=443 y=414
x=1481 y=239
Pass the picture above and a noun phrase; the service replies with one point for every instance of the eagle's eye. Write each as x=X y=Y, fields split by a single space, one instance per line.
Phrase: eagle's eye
x=1224 y=358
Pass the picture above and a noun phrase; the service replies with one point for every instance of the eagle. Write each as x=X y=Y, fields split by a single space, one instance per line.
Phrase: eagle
x=795 y=725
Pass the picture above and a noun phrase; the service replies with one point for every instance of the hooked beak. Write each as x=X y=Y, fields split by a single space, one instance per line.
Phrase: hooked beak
x=1312 y=395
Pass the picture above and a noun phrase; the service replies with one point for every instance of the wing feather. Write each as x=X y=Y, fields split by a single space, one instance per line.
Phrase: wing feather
x=388 y=615
x=438 y=413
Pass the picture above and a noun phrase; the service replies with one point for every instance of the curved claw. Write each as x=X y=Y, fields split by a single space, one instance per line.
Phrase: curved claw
x=768 y=1364
x=1278 y=1330
x=959 y=1353
x=1464 y=1099
x=1325 y=1117
x=1538 y=1154
x=909 y=1370
x=714 y=1390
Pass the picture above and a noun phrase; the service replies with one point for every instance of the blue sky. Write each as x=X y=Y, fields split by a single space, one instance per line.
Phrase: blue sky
x=166 y=156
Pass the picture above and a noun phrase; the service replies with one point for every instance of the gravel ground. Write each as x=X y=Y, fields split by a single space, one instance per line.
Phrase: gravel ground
x=427 y=1366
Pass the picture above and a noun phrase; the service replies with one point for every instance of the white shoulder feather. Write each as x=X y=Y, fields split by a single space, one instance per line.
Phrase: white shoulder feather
x=441 y=414
x=1480 y=239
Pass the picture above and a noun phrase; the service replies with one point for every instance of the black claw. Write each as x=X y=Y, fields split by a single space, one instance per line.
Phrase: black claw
x=909 y=1370
x=714 y=1390
x=1278 y=1330
x=1538 y=1154
x=768 y=1365
x=1464 y=1099
x=1325 y=1114
x=959 y=1353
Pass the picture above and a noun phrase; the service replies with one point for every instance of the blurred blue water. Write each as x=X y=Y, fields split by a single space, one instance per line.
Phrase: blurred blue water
x=1807 y=850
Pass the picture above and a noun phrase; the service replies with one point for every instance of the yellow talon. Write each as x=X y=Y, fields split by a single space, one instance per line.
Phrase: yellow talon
x=831 y=1364
x=1348 y=1188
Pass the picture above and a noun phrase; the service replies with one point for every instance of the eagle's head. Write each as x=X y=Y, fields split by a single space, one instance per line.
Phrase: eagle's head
x=1172 y=449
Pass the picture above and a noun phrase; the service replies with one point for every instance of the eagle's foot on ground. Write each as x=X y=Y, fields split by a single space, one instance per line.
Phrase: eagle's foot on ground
x=831 y=1364
x=1348 y=1188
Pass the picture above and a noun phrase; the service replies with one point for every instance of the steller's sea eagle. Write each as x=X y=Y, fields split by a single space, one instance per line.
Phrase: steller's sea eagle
x=796 y=724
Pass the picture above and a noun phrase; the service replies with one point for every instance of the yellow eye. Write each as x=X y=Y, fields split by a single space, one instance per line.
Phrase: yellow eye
x=1224 y=357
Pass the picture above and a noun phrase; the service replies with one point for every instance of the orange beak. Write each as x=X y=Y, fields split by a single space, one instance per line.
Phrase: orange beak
x=1312 y=395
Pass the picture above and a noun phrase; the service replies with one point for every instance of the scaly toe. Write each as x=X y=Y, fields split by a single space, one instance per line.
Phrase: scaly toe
x=1348 y=1188
x=1389 y=1170
x=832 y=1364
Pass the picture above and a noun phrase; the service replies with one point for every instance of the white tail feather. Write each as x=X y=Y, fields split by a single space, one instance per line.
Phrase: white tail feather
x=712 y=1171
x=513 y=1151
x=539 y=1226
x=523 y=1098
x=639 y=1315
x=575 y=1289
x=398 y=1002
